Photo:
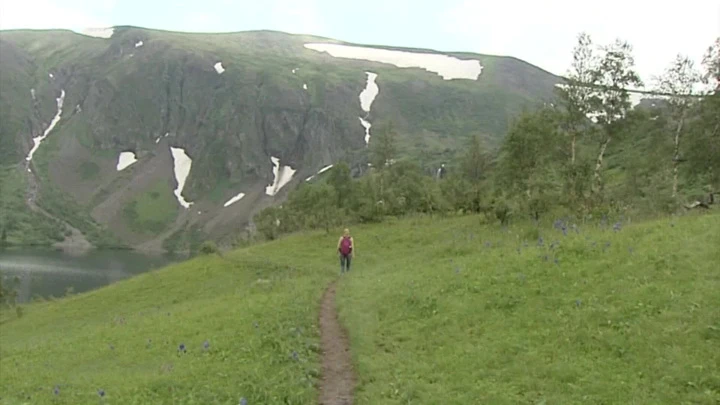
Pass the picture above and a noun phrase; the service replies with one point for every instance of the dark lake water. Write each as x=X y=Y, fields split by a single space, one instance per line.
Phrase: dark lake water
x=45 y=273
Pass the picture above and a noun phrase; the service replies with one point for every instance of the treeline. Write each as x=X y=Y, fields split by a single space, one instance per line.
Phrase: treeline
x=586 y=153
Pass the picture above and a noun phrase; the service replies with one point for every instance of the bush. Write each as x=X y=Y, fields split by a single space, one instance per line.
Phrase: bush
x=209 y=248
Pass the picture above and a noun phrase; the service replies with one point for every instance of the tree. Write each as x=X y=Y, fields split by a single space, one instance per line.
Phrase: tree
x=475 y=162
x=711 y=61
x=529 y=158
x=384 y=148
x=679 y=80
x=577 y=94
x=341 y=181
x=612 y=77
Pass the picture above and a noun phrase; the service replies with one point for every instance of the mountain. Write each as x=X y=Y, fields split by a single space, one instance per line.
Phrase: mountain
x=156 y=139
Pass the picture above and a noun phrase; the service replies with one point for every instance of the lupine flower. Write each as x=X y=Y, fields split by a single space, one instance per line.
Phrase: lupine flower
x=540 y=241
x=487 y=244
x=556 y=261
x=457 y=270
x=295 y=356
x=56 y=390
x=545 y=258
x=101 y=393
x=182 y=348
x=255 y=324
x=206 y=345
x=630 y=250
x=578 y=303
x=243 y=401
x=617 y=227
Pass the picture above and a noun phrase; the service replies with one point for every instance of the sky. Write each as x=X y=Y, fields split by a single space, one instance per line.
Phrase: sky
x=542 y=32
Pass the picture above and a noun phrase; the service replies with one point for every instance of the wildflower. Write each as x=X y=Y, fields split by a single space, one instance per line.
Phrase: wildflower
x=617 y=227
x=101 y=393
x=556 y=261
x=578 y=303
x=243 y=401
x=540 y=241
x=545 y=258
x=630 y=250
x=457 y=270
x=206 y=345
x=487 y=244
x=56 y=390
x=182 y=348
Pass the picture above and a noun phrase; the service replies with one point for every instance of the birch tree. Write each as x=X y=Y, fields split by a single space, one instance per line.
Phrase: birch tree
x=577 y=94
x=613 y=76
x=679 y=80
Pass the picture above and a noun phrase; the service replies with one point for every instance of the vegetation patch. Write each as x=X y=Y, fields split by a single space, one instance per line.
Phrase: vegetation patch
x=153 y=210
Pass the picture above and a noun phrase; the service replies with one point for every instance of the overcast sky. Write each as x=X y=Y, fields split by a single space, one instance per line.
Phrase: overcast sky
x=540 y=32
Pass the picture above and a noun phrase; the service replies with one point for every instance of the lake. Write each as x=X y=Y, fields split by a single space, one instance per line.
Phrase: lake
x=45 y=273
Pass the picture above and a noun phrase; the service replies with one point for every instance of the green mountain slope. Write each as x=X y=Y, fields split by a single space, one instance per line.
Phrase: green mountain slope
x=438 y=311
x=145 y=91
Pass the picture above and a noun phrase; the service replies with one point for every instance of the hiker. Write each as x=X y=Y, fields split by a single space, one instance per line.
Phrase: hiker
x=345 y=249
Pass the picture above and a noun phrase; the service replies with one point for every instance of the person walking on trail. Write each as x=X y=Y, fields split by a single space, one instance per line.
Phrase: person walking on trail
x=345 y=249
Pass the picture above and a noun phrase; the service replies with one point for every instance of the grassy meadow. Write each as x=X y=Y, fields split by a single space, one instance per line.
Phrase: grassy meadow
x=439 y=311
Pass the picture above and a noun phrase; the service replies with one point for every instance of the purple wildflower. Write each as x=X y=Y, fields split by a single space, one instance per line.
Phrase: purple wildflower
x=182 y=348
x=101 y=393
x=545 y=258
x=295 y=355
x=556 y=261
x=243 y=401
x=56 y=390
x=457 y=270
x=578 y=303
x=540 y=241
x=488 y=244
x=617 y=227
x=206 y=345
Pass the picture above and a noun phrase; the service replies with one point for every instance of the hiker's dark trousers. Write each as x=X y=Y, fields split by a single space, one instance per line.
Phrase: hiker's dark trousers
x=345 y=262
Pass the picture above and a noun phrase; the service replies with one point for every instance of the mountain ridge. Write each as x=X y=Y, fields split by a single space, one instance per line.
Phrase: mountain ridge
x=233 y=106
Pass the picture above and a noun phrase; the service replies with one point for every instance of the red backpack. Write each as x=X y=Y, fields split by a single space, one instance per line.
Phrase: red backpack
x=346 y=245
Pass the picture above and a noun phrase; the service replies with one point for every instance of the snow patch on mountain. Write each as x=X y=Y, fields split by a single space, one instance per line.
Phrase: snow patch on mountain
x=367 y=96
x=448 y=67
x=182 y=165
x=99 y=32
x=38 y=139
x=234 y=200
x=282 y=176
x=125 y=159
x=367 y=127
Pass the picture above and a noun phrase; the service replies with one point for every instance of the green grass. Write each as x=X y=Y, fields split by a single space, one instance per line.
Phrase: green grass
x=21 y=225
x=253 y=312
x=437 y=316
x=153 y=210
x=434 y=315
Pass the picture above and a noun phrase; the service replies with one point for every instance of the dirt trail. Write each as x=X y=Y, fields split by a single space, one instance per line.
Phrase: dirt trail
x=338 y=378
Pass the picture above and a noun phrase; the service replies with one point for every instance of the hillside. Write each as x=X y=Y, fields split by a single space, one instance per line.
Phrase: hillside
x=438 y=311
x=88 y=125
